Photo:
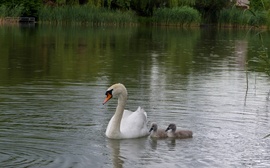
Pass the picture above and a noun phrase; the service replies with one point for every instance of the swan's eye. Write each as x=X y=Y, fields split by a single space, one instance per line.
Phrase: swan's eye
x=109 y=92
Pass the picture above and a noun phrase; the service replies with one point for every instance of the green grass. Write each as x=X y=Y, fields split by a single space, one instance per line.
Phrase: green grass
x=14 y=11
x=179 y=16
x=234 y=17
x=85 y=15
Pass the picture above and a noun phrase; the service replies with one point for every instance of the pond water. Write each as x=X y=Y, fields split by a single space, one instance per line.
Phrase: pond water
x=53 y=80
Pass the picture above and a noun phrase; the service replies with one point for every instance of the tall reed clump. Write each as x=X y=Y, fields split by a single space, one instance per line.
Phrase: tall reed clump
x=234 y=17
x=10 y=11
x=268 y=19
x=178 y=16
x=3 y=11
x=261 y=62
x=85 y=15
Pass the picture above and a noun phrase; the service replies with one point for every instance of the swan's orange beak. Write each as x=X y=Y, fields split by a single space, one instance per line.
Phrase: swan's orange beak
x=109 y=96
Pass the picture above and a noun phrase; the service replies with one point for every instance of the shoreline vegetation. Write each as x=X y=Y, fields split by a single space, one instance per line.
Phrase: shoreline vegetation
x=182 y=16
x=86 y=15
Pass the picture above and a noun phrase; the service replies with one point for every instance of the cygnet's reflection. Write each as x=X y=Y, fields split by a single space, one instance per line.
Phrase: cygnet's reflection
x=154 y=143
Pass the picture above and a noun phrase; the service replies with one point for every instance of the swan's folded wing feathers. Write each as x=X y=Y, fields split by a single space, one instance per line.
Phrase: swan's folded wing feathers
x=126 y=114
x=134 y=121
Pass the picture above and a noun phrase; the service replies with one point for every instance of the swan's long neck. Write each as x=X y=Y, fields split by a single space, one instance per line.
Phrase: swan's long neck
x=114 y=130
x=119 y=112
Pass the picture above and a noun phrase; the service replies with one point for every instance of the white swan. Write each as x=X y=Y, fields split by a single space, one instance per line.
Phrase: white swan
x=124 y=123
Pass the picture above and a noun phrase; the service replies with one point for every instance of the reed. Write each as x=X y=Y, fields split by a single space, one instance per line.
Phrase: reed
x=3 y=11
x=86 y=15
x=235 y=17
x=268 y=19
x=179 y=16
x=11 y=11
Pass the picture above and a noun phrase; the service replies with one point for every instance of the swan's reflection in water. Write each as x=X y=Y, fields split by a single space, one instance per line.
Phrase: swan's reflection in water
x=114 y=145
x=128 y=150
x=146 y=151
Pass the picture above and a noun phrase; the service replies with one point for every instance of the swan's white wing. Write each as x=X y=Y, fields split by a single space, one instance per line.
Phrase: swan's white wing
x=126 y=114
x=134 y=124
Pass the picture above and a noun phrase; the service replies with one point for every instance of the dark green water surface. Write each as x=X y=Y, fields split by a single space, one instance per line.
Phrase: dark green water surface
x=53 y=80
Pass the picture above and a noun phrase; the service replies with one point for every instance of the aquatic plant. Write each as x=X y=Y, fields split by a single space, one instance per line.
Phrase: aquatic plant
x=267 y=136
x=261 y=62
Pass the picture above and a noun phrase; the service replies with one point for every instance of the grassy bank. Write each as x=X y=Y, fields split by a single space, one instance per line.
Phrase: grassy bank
x=238 y=18
x=180 y=16
x=6 y=11
x=85 y=15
